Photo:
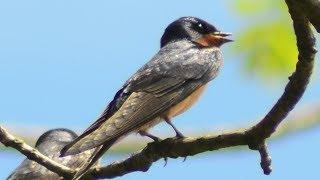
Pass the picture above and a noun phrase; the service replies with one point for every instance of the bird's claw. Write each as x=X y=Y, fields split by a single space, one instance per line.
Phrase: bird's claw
x=165 y=161
x=156 y=139
x=179 y=135
x=184 y=159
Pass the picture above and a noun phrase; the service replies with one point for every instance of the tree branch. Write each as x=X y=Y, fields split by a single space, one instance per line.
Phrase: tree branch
x=312 y=10
x=254 y=137
x=33 y=154
x=298 y=80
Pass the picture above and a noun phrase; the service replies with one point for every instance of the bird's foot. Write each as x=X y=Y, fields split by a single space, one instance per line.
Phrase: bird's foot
x=165 y=161
x=184 y=159
x=154 y=138
x=179 y=135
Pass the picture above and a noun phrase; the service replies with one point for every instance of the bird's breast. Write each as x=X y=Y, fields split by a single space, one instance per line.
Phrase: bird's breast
x=185 y=104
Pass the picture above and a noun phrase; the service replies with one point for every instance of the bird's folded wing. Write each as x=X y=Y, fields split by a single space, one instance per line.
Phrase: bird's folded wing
x=158 y=88
x=139 y=109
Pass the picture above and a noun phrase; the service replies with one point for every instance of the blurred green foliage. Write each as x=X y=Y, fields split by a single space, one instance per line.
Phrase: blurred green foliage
x=267 y=41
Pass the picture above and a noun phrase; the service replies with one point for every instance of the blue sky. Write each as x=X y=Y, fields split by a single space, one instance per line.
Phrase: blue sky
x=62 y=61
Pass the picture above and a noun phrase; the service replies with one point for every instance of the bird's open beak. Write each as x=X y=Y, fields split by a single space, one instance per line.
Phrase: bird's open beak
x=215 y=39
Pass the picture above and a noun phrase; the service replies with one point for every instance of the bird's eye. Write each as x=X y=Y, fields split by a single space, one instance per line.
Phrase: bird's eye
x=200 y=27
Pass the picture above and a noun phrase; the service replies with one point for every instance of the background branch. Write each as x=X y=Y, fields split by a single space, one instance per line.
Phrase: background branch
x=33 y=154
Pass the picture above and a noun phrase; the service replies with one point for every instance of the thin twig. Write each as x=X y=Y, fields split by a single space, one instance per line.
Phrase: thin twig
x=33 y=154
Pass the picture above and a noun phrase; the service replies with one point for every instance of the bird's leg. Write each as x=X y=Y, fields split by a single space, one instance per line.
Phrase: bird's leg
x=178 y=133
x=145 y=133
x=184 y=159
x=154 y=138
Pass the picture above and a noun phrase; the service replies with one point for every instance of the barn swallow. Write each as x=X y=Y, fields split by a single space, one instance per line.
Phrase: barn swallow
x=50 y=144
x=169 y=84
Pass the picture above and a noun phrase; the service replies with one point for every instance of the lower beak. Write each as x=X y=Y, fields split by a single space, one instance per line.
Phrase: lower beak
x=222 y=36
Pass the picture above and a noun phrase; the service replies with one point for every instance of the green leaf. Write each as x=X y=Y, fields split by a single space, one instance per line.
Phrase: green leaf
x=269 y=49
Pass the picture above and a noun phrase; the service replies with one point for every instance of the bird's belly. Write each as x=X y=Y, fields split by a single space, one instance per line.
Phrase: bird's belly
x=175 y=110
x=185 y=104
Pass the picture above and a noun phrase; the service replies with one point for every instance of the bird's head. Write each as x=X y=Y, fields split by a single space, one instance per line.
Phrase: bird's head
x=57 y=135
x=195 y=30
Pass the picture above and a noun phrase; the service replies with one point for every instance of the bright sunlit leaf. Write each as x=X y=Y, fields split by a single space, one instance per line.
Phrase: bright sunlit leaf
x=267 y=44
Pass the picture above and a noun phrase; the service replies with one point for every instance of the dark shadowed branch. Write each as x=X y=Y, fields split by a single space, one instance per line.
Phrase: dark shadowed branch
x=311 y=10
x=254 y=137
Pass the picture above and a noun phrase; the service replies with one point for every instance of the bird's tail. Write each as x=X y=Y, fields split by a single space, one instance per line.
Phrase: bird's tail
x=98 y=152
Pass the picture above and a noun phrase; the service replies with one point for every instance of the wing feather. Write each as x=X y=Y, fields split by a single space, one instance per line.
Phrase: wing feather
x=139 y=109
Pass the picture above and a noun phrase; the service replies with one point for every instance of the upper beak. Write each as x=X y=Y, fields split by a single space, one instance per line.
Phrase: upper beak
x=222 y=36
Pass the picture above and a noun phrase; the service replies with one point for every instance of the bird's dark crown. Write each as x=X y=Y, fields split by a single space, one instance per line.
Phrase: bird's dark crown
x=60 y=134
x=190 y=28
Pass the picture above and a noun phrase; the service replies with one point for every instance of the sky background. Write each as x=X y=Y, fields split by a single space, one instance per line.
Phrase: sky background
x=62 y=61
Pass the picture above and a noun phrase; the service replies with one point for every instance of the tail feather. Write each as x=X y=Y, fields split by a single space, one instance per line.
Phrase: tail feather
x=90 y=141
x=93 y=159
x=76 y=148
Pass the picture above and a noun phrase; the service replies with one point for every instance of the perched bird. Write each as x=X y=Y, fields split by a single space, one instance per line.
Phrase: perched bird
x=169 y=84
x=50 y=144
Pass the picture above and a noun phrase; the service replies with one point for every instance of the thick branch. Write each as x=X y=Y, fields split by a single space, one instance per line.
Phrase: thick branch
x=172 y=148
x=299 y=79
x=33 y=154
x=312 y=10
